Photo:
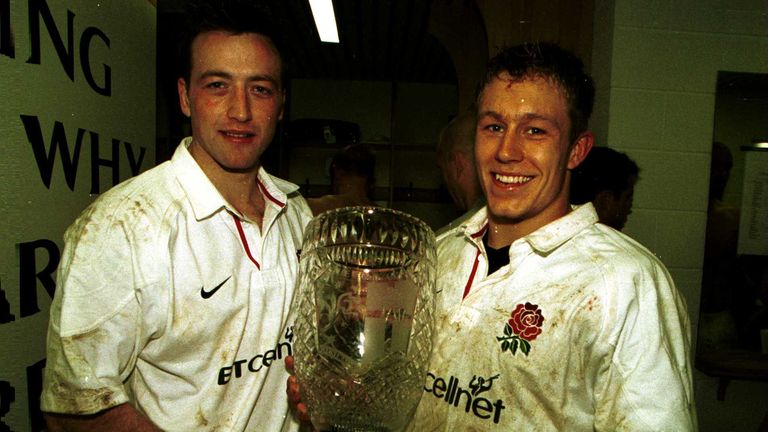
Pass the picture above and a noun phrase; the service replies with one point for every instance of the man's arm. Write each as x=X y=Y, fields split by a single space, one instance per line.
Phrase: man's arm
x=120 y=418
x=647 y=383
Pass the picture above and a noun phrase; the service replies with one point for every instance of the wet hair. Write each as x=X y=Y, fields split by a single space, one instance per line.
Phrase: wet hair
x=603 y=169
x=231 y=16
x=548 y=60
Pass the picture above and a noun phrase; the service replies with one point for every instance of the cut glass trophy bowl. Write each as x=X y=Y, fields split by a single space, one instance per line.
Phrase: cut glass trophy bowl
x=363 y=328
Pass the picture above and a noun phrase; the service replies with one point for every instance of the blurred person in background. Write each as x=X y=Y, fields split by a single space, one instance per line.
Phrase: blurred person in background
x=353 y=180
x=456 y=160
x=607 y=179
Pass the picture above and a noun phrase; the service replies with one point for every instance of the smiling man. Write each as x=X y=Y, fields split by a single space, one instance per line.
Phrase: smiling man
x=547 y=320
x=171 y=307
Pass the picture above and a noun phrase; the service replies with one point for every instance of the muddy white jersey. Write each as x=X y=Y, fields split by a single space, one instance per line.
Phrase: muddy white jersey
x=167 y=298
x=582 y=330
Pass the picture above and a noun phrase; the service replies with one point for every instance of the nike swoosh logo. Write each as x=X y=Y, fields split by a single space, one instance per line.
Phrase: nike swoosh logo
x=207 y=294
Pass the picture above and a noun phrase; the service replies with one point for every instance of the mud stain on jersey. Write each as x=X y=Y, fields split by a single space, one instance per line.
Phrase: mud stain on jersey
x=200 y=417
x=593 y=302
x=83 y=401
x=72 y=398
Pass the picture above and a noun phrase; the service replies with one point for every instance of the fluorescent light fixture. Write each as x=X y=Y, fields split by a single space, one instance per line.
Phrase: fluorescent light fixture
x=325 y=21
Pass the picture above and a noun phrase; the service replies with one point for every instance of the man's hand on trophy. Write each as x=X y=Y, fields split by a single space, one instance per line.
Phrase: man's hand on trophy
x=298 y=408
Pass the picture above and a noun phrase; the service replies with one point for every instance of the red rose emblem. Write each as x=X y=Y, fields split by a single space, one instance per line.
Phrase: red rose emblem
x=523 y=326
x=526 y=321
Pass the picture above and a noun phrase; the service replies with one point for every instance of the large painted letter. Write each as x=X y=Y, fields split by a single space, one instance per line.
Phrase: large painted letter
x=7 y=396
x=28 y=274
x=7 y=45
x=58 y=139
x=85 y=57
x=97 y=162
x=5 y=308
x=39 y=9
x=34 y=389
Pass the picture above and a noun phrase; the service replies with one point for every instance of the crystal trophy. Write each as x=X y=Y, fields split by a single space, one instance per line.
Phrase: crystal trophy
x=364 y=322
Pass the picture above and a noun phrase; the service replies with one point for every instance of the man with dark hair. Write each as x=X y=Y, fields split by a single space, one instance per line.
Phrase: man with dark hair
x=607 y=179
x=231 y=16
x=171 y=307
x=353 y=179
x=547 y=320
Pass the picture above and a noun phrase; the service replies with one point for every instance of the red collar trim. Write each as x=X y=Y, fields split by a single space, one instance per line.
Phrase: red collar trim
x=244 y=241
x=481 y=232
x=471 y=275
x=268 y=195
x=477 y=261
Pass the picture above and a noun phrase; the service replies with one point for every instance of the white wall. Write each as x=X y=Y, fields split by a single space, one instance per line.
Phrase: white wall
x=662 y=62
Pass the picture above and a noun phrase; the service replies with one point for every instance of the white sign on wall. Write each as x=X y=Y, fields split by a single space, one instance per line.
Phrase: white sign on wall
x=77 y=115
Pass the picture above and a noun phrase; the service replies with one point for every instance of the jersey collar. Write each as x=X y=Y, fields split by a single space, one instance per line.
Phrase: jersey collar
x=203 y=196
x=549 y=237
x=545 y=239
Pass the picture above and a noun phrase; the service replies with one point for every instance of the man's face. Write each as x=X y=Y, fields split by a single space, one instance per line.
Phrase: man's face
x=523 y=152
x=234 y=99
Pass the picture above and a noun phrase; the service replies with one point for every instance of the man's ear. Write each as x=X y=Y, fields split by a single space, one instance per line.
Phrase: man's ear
x=580 y=149
x=181 y=87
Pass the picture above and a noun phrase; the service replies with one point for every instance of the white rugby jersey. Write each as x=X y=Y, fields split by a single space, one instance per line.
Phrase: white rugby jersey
x=168 y=299
x=583 y=330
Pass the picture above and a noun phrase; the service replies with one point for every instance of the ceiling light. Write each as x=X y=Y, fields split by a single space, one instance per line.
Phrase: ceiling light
x=325 y=21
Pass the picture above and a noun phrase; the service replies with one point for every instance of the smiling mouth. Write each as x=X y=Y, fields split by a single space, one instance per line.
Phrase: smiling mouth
x=232 y=134
x=512 y=180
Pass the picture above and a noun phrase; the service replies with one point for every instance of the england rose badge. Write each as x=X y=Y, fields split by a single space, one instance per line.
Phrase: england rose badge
x=523 y=326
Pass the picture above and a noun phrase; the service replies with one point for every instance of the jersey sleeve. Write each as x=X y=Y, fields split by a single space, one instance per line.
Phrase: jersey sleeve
x=94 y=331
x=646 y=384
